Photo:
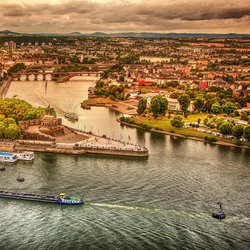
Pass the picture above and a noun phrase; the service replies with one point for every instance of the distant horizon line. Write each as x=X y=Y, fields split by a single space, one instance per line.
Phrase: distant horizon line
x=132 y=34
x=124 y=32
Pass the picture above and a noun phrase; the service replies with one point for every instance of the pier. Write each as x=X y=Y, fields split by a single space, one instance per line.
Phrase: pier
x=92 y=145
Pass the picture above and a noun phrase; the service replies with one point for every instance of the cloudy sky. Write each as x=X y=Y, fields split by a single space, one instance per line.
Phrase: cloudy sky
x=86 y=16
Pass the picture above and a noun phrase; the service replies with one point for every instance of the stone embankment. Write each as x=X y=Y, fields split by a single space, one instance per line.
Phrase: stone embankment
x=185 y=137
x=4 y=88
x=92 y=145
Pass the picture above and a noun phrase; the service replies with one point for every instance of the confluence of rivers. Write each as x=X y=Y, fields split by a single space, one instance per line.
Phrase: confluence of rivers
x=163 y=202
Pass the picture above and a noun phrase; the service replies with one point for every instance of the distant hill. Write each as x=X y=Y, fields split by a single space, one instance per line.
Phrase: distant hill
x=8 y=32
x=134 y=34
x=99 y=34
x=75 y=33
x=175 y=35
x=164 y=35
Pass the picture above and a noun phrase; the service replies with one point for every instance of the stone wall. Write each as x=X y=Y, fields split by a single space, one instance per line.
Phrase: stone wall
x=6 y=146
x=25 y=124
x=52 y=131
x=36 y=136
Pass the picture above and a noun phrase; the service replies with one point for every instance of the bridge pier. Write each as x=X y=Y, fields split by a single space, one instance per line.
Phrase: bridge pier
x=27 y=78
x=44 y=77
x=36 y=77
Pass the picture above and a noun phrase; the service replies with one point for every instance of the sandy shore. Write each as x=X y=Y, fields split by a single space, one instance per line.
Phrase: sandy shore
x=127 y=107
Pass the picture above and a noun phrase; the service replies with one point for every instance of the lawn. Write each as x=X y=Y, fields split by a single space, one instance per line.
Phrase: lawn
x=164 y=124
x=194 y=118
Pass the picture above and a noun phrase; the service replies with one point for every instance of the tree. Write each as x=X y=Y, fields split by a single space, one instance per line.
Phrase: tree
x=184 y=101
x=246 y=132
x=2 y=129
x=8 y=121
x=12 y=132
x=208 y=103
x=2 y=117
x=159 y=106
x=142 y=105
x=16 y=68
x=174 y=95
x=228 y=108
x=18 y=109
x=216 y=108
x=226 y=128
x=198 y=103
x=177 y=122
x=32 y=114
x=237 y=131
x=244 y=116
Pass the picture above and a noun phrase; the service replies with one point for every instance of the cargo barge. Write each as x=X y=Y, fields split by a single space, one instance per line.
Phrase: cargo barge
x=61 y=199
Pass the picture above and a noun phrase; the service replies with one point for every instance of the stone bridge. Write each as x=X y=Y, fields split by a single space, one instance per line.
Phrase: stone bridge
x=44 y=76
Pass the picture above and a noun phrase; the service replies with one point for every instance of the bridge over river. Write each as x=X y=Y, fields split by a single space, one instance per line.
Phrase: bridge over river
x=46 y=76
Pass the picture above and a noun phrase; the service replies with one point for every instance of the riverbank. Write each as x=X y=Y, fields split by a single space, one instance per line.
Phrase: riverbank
x=127 y=107
x=5 y=86
x=222 y=143
x=92 y=145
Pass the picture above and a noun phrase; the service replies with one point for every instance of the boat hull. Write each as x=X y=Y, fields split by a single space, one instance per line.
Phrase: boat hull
x=7 y=157
x=39 y=198
x=67 y=203
x=25 y=156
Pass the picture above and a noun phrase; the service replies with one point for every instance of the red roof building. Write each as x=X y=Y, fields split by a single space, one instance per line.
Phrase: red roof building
x=145 y=83
x=203 y=85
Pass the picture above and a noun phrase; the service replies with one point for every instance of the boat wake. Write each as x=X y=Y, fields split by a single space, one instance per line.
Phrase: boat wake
x=149 y=210
x=171 y=212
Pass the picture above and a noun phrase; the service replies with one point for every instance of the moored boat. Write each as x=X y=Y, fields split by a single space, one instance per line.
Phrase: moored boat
x=2 y=168
x=20 y=178
x=62 y=198
x=71 y=116
x=25 y=156
x=8 y=157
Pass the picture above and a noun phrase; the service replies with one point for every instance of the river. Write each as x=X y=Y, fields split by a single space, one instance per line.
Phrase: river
x=163 y=202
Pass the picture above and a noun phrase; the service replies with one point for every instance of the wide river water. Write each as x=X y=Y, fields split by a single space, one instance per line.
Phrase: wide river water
x=163 y=202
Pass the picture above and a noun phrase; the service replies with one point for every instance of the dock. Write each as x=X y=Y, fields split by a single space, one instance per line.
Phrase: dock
x=93 y=145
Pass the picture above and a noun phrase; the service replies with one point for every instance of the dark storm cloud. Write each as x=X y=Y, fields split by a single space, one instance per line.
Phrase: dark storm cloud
x=191 y=11
x=126 y=15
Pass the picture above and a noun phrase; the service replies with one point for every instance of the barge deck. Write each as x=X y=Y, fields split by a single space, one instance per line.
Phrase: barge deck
x=62 y=198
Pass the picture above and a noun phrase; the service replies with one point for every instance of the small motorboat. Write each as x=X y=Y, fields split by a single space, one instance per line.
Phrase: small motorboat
x=25 y=156
x=20 y=178
x=220 y=215
x=2 y=168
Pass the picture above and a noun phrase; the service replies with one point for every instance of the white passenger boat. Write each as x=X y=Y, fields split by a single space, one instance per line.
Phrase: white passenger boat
x=25 y=156
x=8 y=157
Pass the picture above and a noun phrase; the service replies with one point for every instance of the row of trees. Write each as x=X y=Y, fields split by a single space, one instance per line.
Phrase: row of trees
x=16 y=68
x=222 y=101
x=113 y=92
x=11 y=112
x=238 y=130
x=159 y=105
x=19 y=110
